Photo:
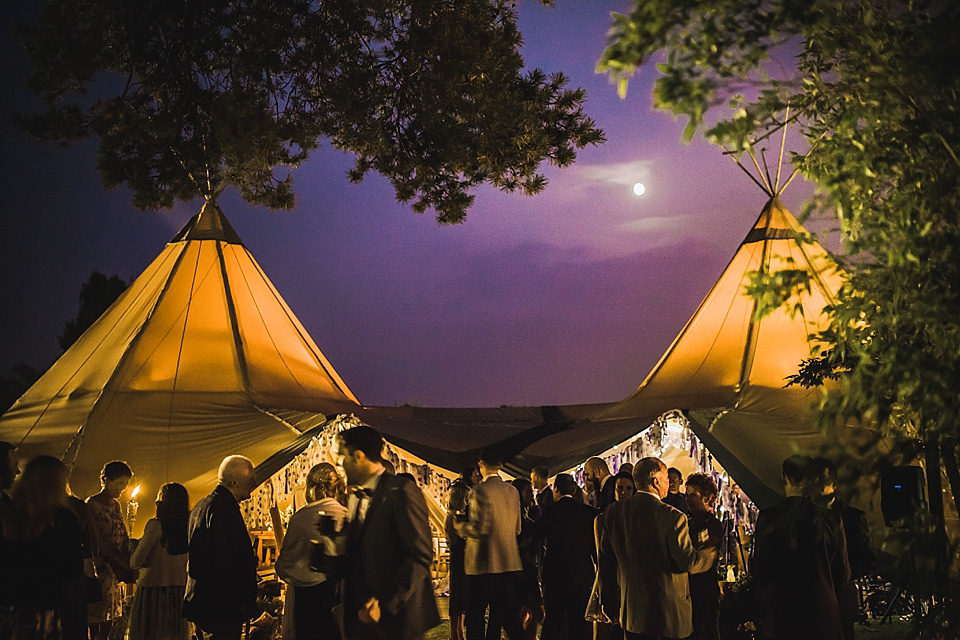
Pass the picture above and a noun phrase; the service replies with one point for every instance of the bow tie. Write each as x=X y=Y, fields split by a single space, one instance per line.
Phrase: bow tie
x=361 y=492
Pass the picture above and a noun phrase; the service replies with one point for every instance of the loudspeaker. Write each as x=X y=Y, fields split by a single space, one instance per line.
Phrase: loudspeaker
x=901 y=492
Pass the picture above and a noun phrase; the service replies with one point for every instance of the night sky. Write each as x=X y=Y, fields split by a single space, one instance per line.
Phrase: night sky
x=566 y=297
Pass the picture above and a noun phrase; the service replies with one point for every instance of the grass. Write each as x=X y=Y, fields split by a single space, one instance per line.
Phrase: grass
x=441 y=632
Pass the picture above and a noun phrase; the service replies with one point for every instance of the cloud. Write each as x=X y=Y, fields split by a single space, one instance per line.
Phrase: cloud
x=589 y=212
x=618 y=173
x=581 y=180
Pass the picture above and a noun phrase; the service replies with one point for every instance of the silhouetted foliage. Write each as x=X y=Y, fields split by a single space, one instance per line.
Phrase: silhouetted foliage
x=96 y=296
x=15 y=383
x=872 y=86
x=188 y=98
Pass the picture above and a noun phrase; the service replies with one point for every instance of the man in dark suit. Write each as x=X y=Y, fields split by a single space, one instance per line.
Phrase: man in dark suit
x=221 y=593
x=676 y=498
x=799 y=562
x=569 y=563
x=600 y=482
x=387 y=588
x=542 y=490
x=646 y=549
x=860 y=554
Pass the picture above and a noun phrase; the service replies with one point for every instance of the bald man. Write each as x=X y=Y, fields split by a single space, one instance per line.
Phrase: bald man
x=221 y=590
x=597 y=473
x=646 y=550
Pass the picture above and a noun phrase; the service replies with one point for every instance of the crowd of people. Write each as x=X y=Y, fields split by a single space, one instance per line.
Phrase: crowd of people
x=627 y=556
x=357 y=563
x=607 y=560
x=65 y=560
x=636 y=556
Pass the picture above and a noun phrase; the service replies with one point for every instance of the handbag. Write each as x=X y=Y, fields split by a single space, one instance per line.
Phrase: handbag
x=594 y=612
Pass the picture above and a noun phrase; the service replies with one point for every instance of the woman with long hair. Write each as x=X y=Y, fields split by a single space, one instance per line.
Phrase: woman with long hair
x=311 y=595
x=604 y=628
x=113 y=556
x=162 y=551
x=40 y=552
x=458 y=498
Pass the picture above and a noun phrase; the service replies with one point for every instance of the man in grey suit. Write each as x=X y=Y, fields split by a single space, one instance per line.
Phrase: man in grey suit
x=492 y=557
x=647 y=551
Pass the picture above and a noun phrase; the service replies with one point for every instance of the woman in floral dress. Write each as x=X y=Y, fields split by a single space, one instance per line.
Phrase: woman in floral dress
x=113 y=559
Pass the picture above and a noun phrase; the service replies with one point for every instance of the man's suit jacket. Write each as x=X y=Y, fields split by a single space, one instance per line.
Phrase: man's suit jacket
x=545 y=497
x=606 y=495
x=388 y=557
x=493 y=528
x=566 y=529
x=222 y=570
x=646 y=549
x=799 y=566
x=860 y=552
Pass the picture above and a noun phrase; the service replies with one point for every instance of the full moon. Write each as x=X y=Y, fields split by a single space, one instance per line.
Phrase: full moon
x=638 y=189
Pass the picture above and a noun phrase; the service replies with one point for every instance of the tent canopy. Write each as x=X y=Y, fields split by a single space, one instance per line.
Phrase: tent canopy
x=726 y=371
x=190 y=364
x=201 y=358
x=727 y=368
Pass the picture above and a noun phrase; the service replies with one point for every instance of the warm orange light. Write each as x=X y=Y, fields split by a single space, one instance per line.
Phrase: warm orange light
x=133 y=494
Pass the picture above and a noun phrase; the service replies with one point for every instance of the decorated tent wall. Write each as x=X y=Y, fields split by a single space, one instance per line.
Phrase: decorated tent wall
x=197 y=359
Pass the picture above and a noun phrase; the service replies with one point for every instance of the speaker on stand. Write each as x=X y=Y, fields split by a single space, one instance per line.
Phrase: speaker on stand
x=901 y=493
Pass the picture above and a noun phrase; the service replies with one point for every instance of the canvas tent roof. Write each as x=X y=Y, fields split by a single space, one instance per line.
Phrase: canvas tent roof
x=192 y=362
x=201 y=357
x=726 y=369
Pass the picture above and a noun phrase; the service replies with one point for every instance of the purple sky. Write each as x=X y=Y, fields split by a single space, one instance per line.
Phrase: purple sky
x=567 y=297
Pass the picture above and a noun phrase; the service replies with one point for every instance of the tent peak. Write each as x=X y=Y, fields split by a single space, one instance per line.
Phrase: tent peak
x=208 y=224
x=774 y=223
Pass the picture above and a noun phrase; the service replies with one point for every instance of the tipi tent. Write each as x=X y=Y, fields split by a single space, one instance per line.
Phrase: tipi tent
x=199 y=358
x=726 y=370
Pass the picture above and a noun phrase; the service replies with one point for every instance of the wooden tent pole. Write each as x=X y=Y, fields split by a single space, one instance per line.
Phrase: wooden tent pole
x=767 y=188
x=745 y=170
x=783 y=143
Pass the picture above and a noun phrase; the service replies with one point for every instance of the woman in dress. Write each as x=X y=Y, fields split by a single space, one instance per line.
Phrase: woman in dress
x=162 y=551
x=457 y=500
x=311 y=596
x=40 y=555
x=113 y=556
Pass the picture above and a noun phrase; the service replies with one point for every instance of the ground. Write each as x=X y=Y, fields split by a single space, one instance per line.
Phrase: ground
x=895 y=630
